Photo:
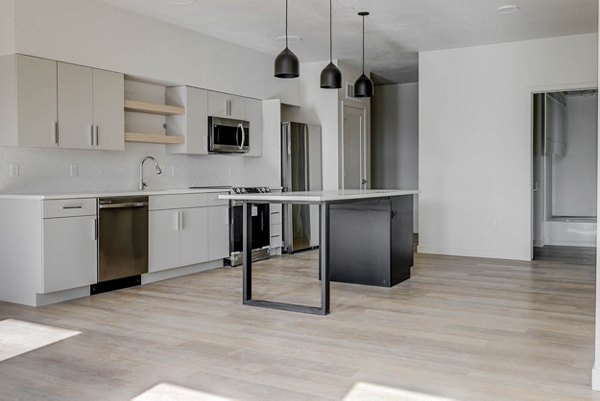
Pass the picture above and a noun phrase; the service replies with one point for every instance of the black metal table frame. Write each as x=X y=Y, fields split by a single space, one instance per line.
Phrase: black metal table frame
x=323 y=262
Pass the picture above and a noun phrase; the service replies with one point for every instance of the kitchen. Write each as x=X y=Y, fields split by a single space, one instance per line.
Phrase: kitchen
x=182 y=329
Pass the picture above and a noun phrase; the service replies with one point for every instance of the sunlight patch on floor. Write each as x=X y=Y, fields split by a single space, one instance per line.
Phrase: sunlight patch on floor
x=373 y=392
x=18 y=337
x=169 y=392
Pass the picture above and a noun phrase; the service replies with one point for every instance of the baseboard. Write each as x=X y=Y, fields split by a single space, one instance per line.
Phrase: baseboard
x=595 y=379
x=474 y=253
x=62 y=296
x=572 y=243
x=181 y=271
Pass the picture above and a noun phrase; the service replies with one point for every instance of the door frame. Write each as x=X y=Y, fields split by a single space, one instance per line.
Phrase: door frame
x=366 y=146
x=532 y=90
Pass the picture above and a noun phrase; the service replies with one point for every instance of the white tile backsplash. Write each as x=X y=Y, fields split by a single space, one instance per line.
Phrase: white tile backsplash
x=49 y=170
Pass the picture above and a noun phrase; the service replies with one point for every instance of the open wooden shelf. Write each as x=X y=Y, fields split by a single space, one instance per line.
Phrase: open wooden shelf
x=154 y=138
x=152 y=108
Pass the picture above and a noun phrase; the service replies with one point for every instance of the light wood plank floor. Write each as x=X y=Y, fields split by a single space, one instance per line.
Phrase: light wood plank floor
x=462 y=328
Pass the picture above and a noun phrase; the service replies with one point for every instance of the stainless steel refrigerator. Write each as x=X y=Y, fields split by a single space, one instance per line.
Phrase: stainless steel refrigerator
x=300 y=171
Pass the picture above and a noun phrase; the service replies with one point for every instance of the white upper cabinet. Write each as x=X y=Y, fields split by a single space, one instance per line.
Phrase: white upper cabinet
x=226 y=106
x=108 y=105
x=28 y=99
x=193 y=125
x=75 y=114
x=254 y=116
x=90 y=108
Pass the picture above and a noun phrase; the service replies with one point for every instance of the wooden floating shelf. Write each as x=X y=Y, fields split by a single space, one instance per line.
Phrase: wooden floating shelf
x=151 y=108
x=153 y=138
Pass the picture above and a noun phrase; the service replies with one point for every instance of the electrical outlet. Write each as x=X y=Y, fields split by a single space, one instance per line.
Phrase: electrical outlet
x=74 y=170
x=497 y=223
x=14 y=169
x=173 y=171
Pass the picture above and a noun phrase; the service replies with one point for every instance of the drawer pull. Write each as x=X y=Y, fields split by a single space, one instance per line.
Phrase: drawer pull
x=73 y=207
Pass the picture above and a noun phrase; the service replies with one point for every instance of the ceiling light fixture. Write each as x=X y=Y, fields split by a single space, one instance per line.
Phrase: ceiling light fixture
x=363 y=87
x=508 y=9
x=331 y=76
x=286 y=63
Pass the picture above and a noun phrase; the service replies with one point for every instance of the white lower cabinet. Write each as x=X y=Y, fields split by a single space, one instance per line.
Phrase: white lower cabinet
x=218 y=232
x=186 y=230
x=163 y=241
x=69 y=250
x=193 y=239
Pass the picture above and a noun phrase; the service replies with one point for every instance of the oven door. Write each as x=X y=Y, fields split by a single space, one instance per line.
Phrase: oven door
x=228 y=136
x=261 y=232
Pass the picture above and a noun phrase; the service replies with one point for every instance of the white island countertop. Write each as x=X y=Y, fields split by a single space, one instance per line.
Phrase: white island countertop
x=320 y=196
x=106 y=194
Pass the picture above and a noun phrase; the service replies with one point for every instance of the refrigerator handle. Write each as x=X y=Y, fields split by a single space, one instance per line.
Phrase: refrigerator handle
x=306 y=160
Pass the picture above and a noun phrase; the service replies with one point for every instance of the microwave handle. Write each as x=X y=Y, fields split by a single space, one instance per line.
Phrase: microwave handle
x=237 y=130
x=243 y=137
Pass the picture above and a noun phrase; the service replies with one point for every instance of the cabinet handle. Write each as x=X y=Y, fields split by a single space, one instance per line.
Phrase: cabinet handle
x=55 y=137
x=228 y=107
x=177 y=219
x=95 y=135
x=91 y=135
x=95 y=229
x=180 y=221
x=73 y=207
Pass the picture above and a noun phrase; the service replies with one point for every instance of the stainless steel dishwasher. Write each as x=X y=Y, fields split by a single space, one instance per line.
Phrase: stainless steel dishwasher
x=122 y=242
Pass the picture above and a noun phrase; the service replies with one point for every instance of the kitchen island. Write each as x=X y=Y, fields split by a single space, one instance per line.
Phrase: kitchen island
x=366 y=237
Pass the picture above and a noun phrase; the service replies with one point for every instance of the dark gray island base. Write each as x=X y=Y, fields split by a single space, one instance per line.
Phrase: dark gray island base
x=365 y=238
x=371 y=241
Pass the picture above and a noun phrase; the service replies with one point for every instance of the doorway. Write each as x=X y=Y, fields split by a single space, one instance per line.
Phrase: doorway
x=355 y=151
x=565 y=157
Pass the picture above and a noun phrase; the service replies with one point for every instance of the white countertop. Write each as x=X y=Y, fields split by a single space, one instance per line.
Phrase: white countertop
x=80 y=195
x=320 y=196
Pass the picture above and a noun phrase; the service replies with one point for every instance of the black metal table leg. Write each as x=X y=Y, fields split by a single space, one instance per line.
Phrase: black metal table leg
x=323 y=266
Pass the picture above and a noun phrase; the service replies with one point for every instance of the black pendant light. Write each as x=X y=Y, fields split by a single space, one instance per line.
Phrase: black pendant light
x=363 y=87
x=286 y=63
x=331 y=76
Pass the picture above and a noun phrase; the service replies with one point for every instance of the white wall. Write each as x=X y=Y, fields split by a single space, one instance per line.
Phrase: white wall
x=7 y=27
x=574 y=174
x=596 y=369
x=395 y=138
x=475 y=141
x=93 y=33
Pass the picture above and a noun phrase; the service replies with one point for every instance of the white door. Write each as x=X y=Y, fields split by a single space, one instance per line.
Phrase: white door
x=355 y=156
x=109 y=113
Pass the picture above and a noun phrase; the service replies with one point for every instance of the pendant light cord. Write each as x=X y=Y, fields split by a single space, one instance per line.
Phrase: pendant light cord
x=330 y=34
x=363 y=44
x=286 y=23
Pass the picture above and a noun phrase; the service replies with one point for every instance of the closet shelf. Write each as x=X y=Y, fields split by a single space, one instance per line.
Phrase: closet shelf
x=152 y=108
x=154 y=138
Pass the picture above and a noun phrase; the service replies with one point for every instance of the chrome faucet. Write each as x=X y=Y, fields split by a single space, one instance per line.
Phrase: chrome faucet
x=143 y=183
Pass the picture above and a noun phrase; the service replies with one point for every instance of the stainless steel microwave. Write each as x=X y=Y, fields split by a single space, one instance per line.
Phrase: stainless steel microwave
x=228 y=136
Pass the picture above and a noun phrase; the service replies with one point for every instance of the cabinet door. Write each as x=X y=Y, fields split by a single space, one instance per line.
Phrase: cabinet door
x=193 y=236
x=218 y=232
x=70 y=253
x=226 y=106
x=75 y=117
x=254 y=116
x=163 y=240
x=193 y=125
x=36 y=102
x=108 y=110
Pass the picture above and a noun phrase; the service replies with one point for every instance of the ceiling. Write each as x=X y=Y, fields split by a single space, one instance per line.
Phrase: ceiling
x=396 y=30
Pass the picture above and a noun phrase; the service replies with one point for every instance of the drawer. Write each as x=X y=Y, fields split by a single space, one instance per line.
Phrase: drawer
x=213 y=199
x=276 y=241
x=69 y=208
x=276 y=208
x=275 y=218
x=275 y=229
x=180 y=201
